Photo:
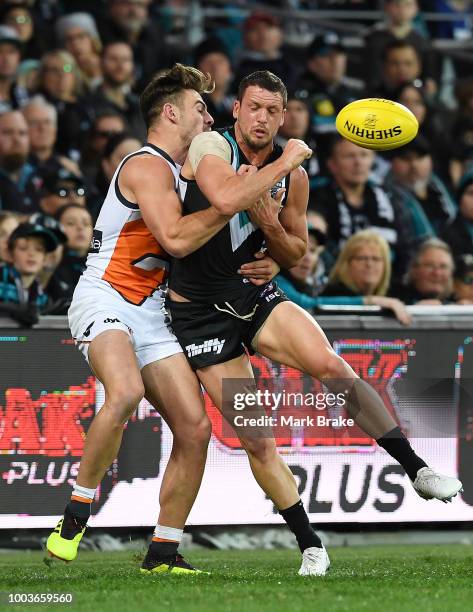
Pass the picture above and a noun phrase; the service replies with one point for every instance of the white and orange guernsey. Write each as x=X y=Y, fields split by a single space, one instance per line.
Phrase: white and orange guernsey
x=124 y=255
x=127 y=268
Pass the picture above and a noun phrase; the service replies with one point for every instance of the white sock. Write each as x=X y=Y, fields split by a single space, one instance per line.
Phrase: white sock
x=83 y=492
x=168 y=533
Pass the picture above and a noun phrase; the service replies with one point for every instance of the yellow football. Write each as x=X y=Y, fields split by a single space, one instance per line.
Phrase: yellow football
x=374 y=123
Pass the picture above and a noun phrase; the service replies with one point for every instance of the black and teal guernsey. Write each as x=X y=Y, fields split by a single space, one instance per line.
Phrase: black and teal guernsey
x=210 y=274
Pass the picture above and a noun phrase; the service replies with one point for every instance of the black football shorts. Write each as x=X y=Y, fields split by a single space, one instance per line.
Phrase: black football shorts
x=215 y=333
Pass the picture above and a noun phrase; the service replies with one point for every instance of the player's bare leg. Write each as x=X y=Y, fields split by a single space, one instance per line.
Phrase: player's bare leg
x=268 y=467
x=304 y=346
x=173 y=389
x=113 y=361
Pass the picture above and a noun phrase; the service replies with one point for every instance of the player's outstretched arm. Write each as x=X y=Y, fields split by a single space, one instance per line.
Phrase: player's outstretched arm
x=285 y=231
x=209 y=157
x=149 y=182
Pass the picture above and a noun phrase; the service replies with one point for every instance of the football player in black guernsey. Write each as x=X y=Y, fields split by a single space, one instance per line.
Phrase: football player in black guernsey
x=218 y=316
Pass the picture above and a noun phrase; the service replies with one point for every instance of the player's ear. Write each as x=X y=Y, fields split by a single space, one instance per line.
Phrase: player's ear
x=236 y=109
x=169 y=111
x=283 y=116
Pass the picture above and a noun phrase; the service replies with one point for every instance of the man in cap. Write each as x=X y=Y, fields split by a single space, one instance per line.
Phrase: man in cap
x=263 y=41
x=323 y=81
x=413 y=179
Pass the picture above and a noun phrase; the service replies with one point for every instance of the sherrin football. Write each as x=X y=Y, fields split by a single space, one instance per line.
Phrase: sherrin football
x=374 y=123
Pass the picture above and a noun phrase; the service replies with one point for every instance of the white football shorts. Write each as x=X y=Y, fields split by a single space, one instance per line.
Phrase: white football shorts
x=96 y=311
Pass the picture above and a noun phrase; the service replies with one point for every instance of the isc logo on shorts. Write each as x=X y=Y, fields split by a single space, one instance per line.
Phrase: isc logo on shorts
x=215 y=345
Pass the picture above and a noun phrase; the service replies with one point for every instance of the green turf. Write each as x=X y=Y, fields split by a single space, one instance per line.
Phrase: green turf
x=377 y=579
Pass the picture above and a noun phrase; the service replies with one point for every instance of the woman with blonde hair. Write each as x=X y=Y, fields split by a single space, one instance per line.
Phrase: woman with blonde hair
x=363 y=268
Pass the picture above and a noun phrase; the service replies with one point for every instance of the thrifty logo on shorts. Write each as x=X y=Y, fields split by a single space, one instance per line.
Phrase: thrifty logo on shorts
x=215 y=345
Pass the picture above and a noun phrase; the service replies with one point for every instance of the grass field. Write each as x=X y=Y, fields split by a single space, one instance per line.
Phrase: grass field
x=378 y=579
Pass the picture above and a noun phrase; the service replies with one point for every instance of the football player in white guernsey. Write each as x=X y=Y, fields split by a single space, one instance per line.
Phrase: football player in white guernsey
x=282 y=331
x=118 y=321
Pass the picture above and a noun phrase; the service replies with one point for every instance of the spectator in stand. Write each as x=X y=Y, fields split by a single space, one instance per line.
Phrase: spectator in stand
x=76 y=222
x=350 y=203
x=20 y=289
x=106 y=124
x=12 y=95
x=432 y=121
x=78 y=34
x=412 y=178
x=18 y=190
x=9 y=221
x=297 y=125
x=323 y=81
x=41 y=118
x=116 y=149
x=53 y=258
x=463 y=280
x=398 y=25
x=211 y=57
x=298 y=286
x=430 y=275
x=461 y=153
x=456 y=29
x=115 y=92
x=263 y=48
x=19 y=16
x=363 y=270
x=459 y=233
x=402 y=63
x=60 y=186
x=62 y=87
x=129 y=21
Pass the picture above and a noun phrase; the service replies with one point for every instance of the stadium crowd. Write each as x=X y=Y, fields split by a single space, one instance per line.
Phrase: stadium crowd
x=390 y=229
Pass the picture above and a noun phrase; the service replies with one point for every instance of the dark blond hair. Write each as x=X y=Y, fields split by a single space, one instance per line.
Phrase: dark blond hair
x=167 y=86
x=341 y=272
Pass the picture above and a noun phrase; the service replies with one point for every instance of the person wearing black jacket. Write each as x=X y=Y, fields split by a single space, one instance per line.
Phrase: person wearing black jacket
x=76 y=222
x=131 y=23
x=350 y=203
x=322 y=83
x=459 y=233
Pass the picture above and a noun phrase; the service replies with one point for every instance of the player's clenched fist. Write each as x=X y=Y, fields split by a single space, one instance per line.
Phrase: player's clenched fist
x=295 y=152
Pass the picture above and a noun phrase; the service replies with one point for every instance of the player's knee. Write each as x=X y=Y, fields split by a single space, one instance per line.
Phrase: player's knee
x=193 y=433
x=262 y=450
x=334 y=367
x=124 y=399
x=203 y=431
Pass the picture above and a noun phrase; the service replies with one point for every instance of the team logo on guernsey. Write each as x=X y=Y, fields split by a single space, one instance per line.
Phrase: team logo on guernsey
x=209 y=346
x=275 y=188
x=96 y=242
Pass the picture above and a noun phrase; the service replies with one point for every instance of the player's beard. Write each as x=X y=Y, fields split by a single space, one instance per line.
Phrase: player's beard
x=256 y=145
x=12 y=162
